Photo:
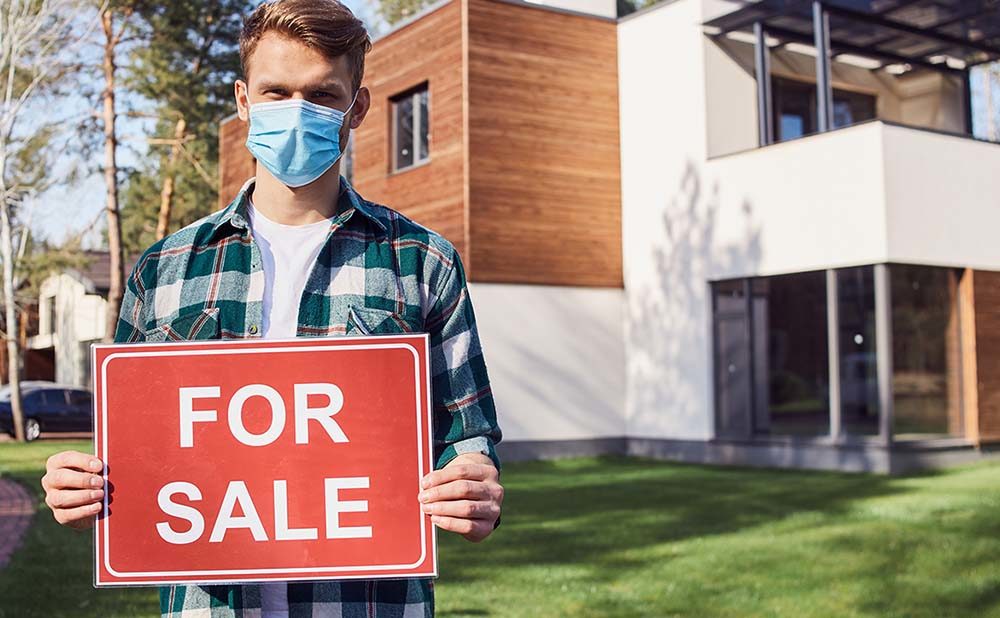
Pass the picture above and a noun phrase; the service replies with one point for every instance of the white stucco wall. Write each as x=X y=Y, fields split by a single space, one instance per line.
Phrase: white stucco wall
x=79 y=321
x=668 y=223
x=556 y=359
x=943 y=199
x=803 y=205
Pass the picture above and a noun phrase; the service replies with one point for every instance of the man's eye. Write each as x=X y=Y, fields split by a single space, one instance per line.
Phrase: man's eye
x=321 y=95
x=275 y=92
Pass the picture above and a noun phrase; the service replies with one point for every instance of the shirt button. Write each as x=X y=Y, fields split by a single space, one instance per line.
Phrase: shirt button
x=253 y=329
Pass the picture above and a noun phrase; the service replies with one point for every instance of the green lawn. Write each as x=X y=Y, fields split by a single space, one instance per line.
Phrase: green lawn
x=617 y=537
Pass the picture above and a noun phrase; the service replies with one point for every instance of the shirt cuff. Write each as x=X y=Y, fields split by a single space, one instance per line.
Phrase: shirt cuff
x=477 y=444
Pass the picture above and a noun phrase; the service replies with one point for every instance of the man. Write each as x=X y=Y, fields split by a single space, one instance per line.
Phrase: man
x=300 y=253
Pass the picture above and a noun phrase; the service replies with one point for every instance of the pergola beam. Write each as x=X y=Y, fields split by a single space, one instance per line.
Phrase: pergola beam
x=824 y=89
x=941 y=24
x=843 y=48
x=926 y=33
x=762 y=70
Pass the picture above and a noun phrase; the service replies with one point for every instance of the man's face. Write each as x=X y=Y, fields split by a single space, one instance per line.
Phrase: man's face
x=283 y=68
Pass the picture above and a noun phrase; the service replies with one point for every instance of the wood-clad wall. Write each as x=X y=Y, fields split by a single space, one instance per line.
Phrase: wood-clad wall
x=967 y=342
x=545 y=203
x=987 y=361
x=523 y=175
x=236 y=165
x=433 y=194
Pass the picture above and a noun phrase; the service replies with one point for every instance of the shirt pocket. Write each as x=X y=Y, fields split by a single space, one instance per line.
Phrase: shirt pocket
x=199 y=324
x=369 y=321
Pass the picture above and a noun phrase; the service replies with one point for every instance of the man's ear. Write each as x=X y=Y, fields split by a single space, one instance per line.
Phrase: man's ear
x=362 y=104
x=242 y=92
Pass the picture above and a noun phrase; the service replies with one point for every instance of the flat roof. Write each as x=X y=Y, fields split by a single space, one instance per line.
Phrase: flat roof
x=942 y=34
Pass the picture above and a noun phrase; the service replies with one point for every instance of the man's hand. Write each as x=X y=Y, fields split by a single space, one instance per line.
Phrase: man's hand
x=72 y=489
x=464 y=496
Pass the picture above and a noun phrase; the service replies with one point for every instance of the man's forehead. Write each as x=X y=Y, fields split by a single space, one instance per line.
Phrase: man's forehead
x=270 y=61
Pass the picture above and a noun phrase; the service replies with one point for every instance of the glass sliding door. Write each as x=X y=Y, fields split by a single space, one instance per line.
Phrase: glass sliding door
x=772 y=354
x=771 y=365
x=926 y=355
x=859 y=409
x=796 y=374
x=732 y=359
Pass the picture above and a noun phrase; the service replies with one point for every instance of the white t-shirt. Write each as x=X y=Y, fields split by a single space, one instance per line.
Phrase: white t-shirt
x=288 y=253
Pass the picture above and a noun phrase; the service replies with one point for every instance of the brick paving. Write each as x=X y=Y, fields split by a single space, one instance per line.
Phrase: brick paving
x=16 y=510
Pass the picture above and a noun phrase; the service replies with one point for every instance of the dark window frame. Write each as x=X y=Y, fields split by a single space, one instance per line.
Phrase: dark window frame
x=419 y=99
x=782 y=86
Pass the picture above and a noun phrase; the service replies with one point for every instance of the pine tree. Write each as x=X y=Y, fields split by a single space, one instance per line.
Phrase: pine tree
x=186 y=68
x=394 y=11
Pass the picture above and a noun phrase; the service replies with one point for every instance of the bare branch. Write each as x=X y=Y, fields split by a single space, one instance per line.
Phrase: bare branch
x=198 y=167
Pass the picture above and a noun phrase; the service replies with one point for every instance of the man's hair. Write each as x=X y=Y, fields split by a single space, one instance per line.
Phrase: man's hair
x=324 y=25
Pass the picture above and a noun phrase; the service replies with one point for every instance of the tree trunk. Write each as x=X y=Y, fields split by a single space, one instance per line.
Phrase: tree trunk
x=167 y=193
x=116 y=287
x=10 y=315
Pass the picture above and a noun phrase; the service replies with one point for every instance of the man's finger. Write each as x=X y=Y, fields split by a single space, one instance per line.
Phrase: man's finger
x=78 y=517
x=75 y=460
x=65 y=478
x=472 y=529
x=475 y=472
x=456 y=490
x=70 y=498
x=464 y=509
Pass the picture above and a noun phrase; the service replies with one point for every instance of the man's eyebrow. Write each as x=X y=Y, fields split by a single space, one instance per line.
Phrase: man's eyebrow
x=330 y=85
x=271 y=85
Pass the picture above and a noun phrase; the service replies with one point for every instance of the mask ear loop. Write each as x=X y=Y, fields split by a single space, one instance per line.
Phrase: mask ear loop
x=347 y=111
x=353 y=101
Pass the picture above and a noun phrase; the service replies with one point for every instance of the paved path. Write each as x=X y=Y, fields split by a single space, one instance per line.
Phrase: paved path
x=16 y=510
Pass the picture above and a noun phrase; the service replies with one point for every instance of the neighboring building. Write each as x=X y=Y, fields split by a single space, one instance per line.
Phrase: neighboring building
x=671 y=258
x=71 y=316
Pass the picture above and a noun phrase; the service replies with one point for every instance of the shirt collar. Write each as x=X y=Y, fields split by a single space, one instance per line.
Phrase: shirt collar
x=236 y=213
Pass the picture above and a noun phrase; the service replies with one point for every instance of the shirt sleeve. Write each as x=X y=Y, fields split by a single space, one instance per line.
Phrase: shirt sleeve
x=131 y=323
x=465 y=419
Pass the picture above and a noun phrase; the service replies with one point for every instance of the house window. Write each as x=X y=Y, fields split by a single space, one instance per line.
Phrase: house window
x=795 y=108
x=926 y=353
x=410 y=128
x=791 y=371
x=772 y=354
x=858 y=361
x=52 y=315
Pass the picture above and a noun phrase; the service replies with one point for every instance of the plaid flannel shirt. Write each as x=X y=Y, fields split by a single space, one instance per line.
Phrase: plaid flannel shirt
x=378 y=273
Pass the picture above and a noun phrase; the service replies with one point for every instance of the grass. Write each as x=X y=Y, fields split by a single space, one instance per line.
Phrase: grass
x=617 y=537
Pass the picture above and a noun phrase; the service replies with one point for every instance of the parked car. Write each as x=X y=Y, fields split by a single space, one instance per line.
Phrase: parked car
x=48 y=407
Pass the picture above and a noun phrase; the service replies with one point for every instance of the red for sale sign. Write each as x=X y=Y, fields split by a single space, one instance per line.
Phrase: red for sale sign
x=250 y=460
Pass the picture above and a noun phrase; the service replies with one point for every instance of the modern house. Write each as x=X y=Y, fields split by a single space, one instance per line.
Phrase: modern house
x=71 y=316
x=712 y=231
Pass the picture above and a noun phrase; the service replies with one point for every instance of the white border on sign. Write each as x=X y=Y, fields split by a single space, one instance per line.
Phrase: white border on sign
x=272 y=571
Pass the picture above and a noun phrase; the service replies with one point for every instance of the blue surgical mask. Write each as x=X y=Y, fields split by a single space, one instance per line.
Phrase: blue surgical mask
x=297 y=141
